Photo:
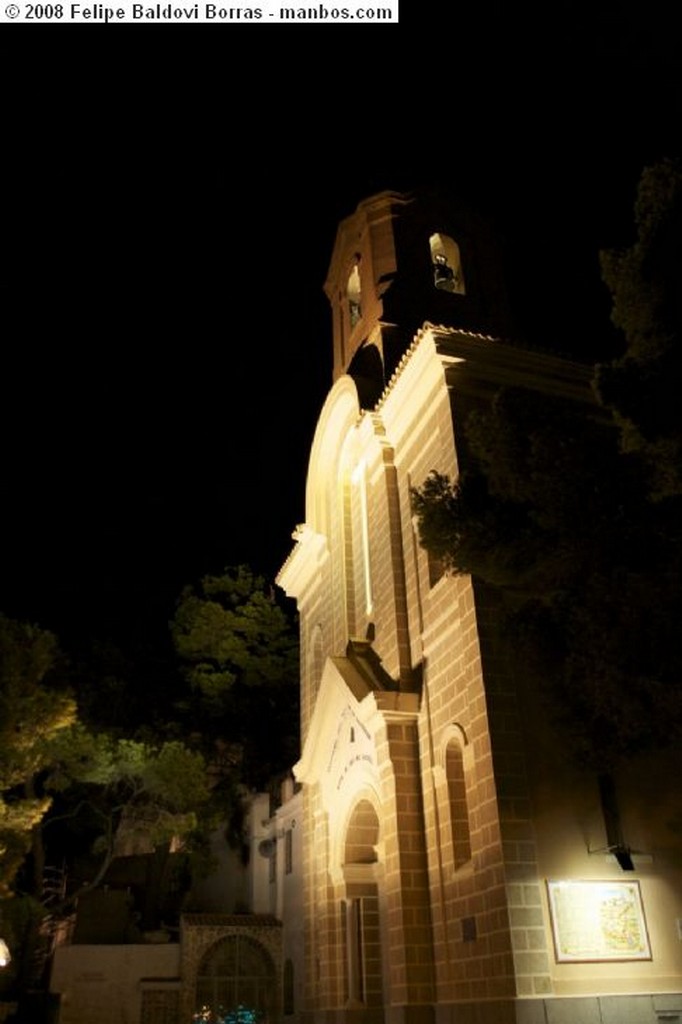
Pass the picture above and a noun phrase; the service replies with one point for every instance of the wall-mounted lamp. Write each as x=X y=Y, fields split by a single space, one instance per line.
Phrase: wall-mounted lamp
x=622 y=855
x=611 y=814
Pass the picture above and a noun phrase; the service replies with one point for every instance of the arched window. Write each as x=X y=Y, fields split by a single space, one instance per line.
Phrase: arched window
x=447 y=264
x=361 y=522
x=362 y=835
x=354 y=294
x=457 y=798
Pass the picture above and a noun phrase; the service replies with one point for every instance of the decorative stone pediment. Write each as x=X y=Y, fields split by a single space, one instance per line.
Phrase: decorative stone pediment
x=340 y=740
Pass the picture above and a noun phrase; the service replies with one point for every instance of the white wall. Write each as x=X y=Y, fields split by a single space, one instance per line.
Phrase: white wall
x=103 y=984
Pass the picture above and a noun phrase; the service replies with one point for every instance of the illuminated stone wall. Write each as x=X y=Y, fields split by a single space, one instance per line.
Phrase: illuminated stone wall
x=416 y=717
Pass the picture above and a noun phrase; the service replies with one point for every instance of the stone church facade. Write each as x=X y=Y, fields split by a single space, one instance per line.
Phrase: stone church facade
x=455 y=867
x=437 y=860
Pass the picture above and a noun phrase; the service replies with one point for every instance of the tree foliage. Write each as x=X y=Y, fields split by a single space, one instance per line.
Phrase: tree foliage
x=122 y=794
x=239 y=652
x=539 y=477
x=642 y=386
x=572 y=510
x=94 y=762
x=126 y=691
x=34 y=711
x=68 y=788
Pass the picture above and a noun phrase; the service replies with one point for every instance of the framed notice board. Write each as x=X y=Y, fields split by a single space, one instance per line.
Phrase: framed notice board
x=594 y=920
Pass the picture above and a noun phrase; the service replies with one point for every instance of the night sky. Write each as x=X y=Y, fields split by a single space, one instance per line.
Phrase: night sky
x=166 y=343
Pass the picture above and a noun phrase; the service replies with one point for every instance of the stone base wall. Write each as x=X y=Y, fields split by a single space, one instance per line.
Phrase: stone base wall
x=662 y=1008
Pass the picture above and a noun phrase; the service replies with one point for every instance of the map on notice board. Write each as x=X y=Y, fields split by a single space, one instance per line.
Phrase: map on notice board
x=598 y=921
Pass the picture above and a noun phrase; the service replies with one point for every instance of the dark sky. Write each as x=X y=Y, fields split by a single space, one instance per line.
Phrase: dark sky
x=172 y=202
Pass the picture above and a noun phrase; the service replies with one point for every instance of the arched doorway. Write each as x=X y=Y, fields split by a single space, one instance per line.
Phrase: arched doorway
x=236 y=983
x=361 y=927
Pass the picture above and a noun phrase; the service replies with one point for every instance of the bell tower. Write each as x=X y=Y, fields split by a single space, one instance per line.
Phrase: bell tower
x=403 y=259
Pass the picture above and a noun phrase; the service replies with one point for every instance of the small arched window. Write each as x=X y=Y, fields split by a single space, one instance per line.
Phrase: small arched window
x=447 y=264
x=359 y=498
x=354 y=294
x=316 y=659
x=436 y=568
x=459 y=809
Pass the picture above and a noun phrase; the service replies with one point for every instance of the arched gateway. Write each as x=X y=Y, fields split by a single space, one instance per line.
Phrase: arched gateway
x=231 y=968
